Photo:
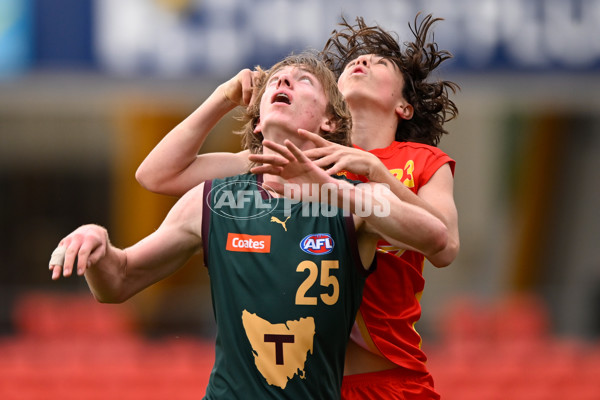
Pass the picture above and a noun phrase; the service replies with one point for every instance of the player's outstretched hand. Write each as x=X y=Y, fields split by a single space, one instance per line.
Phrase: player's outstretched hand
x=87 y=244
x=336 y=157
x=289 y=162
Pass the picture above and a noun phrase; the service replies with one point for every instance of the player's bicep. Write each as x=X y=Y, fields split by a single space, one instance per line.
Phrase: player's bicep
x=217 y=165
x=205 y=167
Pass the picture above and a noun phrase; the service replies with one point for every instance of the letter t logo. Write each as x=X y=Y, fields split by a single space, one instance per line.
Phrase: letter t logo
x=279 y=340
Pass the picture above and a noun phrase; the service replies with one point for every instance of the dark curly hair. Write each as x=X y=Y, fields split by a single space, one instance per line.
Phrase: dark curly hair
x=430 y=100
x=337 y=108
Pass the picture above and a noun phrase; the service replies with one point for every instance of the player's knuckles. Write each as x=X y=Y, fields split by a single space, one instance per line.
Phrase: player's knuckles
x=94 y=258
x=71 y=251
x=87 y=237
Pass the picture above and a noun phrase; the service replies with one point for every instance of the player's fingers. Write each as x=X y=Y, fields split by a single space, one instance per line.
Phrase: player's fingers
x=71 y=255
x=267 y=169
x=317 y=152
x=283 y=150
x=270 y=159
x=58 y=256
x=295 y=151
x=328 y=160
x=255 y=77
x=276 y=187
x=313 y=137
x=335 y=168
x=255 y=80
x=56 y=271
x=95 y=256
x=57 y=259
x=246 y=77
x=246 y=96
x=247 y=87
x=83 y=257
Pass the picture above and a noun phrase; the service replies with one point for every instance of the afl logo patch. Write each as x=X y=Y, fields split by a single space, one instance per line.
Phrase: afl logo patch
x=317 y=244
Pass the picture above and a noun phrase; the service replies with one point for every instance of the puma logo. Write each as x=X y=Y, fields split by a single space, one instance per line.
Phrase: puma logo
x=275 y=219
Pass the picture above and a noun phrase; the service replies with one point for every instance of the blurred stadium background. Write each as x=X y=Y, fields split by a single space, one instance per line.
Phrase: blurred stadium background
x=87 y=88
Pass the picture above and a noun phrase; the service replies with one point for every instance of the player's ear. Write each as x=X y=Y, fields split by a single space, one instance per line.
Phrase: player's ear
x=405 y=110
x=258 y=127
x=328 y=125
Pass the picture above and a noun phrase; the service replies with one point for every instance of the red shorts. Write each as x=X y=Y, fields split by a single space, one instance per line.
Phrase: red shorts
x=396 y=384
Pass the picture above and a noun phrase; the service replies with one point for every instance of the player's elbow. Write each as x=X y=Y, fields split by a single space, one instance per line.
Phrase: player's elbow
x=110 y=298
x=106 y=298
x=446 y=255
x=146 y=179
x=155 y=182
x=114 y=294
x=439 y=239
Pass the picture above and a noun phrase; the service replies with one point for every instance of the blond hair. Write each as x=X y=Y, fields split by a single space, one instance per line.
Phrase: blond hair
x=337 y=108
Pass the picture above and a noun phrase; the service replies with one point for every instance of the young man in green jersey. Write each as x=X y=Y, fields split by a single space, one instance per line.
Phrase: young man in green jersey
x=399 y=109
x=286 y=283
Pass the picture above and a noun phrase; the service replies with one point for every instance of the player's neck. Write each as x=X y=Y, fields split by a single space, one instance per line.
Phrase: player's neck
x=279 y=136
x=372 y=129
x=369 y=136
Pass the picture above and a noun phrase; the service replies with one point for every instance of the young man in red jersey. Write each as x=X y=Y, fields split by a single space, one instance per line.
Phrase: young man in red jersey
x=398 y=115
x=281 y=333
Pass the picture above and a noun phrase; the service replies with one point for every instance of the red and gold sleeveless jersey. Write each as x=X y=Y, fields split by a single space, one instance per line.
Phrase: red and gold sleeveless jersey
x=391 y=305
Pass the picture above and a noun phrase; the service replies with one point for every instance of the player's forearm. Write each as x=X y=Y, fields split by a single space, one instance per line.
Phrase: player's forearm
x=396 y=220
x=447 y=214
x=400 y=190
x=178 y=150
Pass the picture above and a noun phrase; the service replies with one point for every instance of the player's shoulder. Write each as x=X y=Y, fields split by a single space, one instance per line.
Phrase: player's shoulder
x=245 y=177
x=420 y=147
x=348 y=177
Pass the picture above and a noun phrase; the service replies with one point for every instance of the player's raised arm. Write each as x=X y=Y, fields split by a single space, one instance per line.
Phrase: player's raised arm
x=384 y=213
x=174 y=165
x=436 y=196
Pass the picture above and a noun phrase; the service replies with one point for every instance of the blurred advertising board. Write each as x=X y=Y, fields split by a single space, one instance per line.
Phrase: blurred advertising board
x=16 y=24
x=171 y=38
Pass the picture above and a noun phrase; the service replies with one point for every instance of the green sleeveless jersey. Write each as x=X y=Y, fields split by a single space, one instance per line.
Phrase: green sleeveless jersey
x=286 y=286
